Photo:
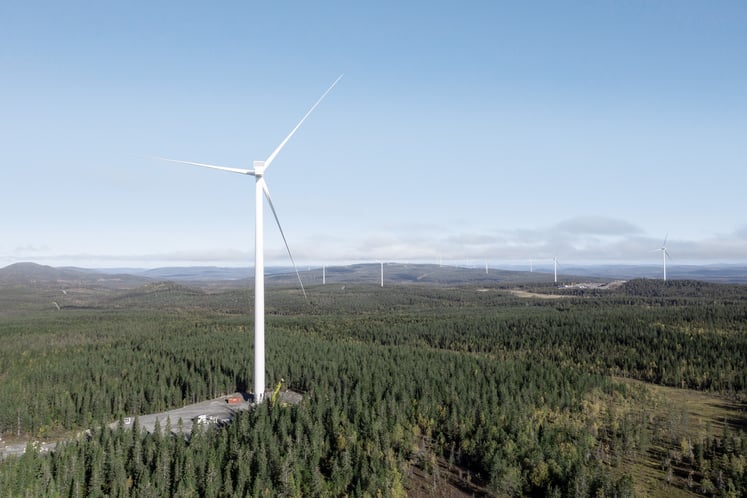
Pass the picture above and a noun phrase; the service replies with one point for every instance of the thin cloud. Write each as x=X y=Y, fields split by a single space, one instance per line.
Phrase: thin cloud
x=597 y=225
x=583 y=240
x=741 y=233
x=30 y=248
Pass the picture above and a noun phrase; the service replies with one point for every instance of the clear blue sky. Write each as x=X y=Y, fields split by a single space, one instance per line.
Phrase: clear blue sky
x=462 y=131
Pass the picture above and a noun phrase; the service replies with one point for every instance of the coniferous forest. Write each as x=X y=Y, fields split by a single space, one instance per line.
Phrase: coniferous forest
x=407 y=390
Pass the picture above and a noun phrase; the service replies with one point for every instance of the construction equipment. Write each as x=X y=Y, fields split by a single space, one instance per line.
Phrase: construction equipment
x=276 y=392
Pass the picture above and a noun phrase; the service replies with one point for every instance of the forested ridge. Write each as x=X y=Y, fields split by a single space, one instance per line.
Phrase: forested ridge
x=515 y=395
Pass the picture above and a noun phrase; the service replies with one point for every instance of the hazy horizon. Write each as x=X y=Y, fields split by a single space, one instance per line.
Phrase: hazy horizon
x=536 y=265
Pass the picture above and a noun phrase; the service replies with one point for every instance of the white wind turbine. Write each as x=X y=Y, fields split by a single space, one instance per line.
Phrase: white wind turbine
x=555 y=262
x=664 y=255
x=261 y=191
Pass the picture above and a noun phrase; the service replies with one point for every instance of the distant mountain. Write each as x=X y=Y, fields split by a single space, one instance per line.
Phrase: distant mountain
x=33 y=274
x=198 y=273
x=399 y=273
x=719 y=273
x=367 y=273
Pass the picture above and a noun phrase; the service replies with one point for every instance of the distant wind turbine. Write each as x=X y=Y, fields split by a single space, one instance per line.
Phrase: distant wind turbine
x=261 y=191
x=555 y=262
x=664 y=255
x=382 y=273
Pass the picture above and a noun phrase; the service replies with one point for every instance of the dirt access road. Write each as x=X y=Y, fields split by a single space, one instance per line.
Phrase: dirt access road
x=211 y=412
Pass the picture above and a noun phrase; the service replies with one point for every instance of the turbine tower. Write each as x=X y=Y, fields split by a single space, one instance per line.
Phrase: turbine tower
x=261 y=191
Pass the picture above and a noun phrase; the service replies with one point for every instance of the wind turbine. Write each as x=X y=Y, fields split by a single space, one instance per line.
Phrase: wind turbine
x=261 y=191
x=555 y=261
x=664 y=255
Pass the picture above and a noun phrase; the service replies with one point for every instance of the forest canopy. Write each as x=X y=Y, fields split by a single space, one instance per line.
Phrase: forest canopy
x=501 y=395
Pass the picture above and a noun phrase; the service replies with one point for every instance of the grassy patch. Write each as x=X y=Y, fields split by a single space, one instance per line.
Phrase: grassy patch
x=680 y=418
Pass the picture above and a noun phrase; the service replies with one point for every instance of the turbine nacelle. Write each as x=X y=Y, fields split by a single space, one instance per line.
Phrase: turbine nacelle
x=259 y=168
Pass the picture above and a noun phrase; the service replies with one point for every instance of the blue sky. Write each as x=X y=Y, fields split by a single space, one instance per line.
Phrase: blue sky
x=461 y=131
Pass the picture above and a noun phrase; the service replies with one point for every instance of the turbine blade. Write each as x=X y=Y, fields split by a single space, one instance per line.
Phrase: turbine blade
x=664 y=244
x=287 y=247
x=212 y=166
x=293 y=131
